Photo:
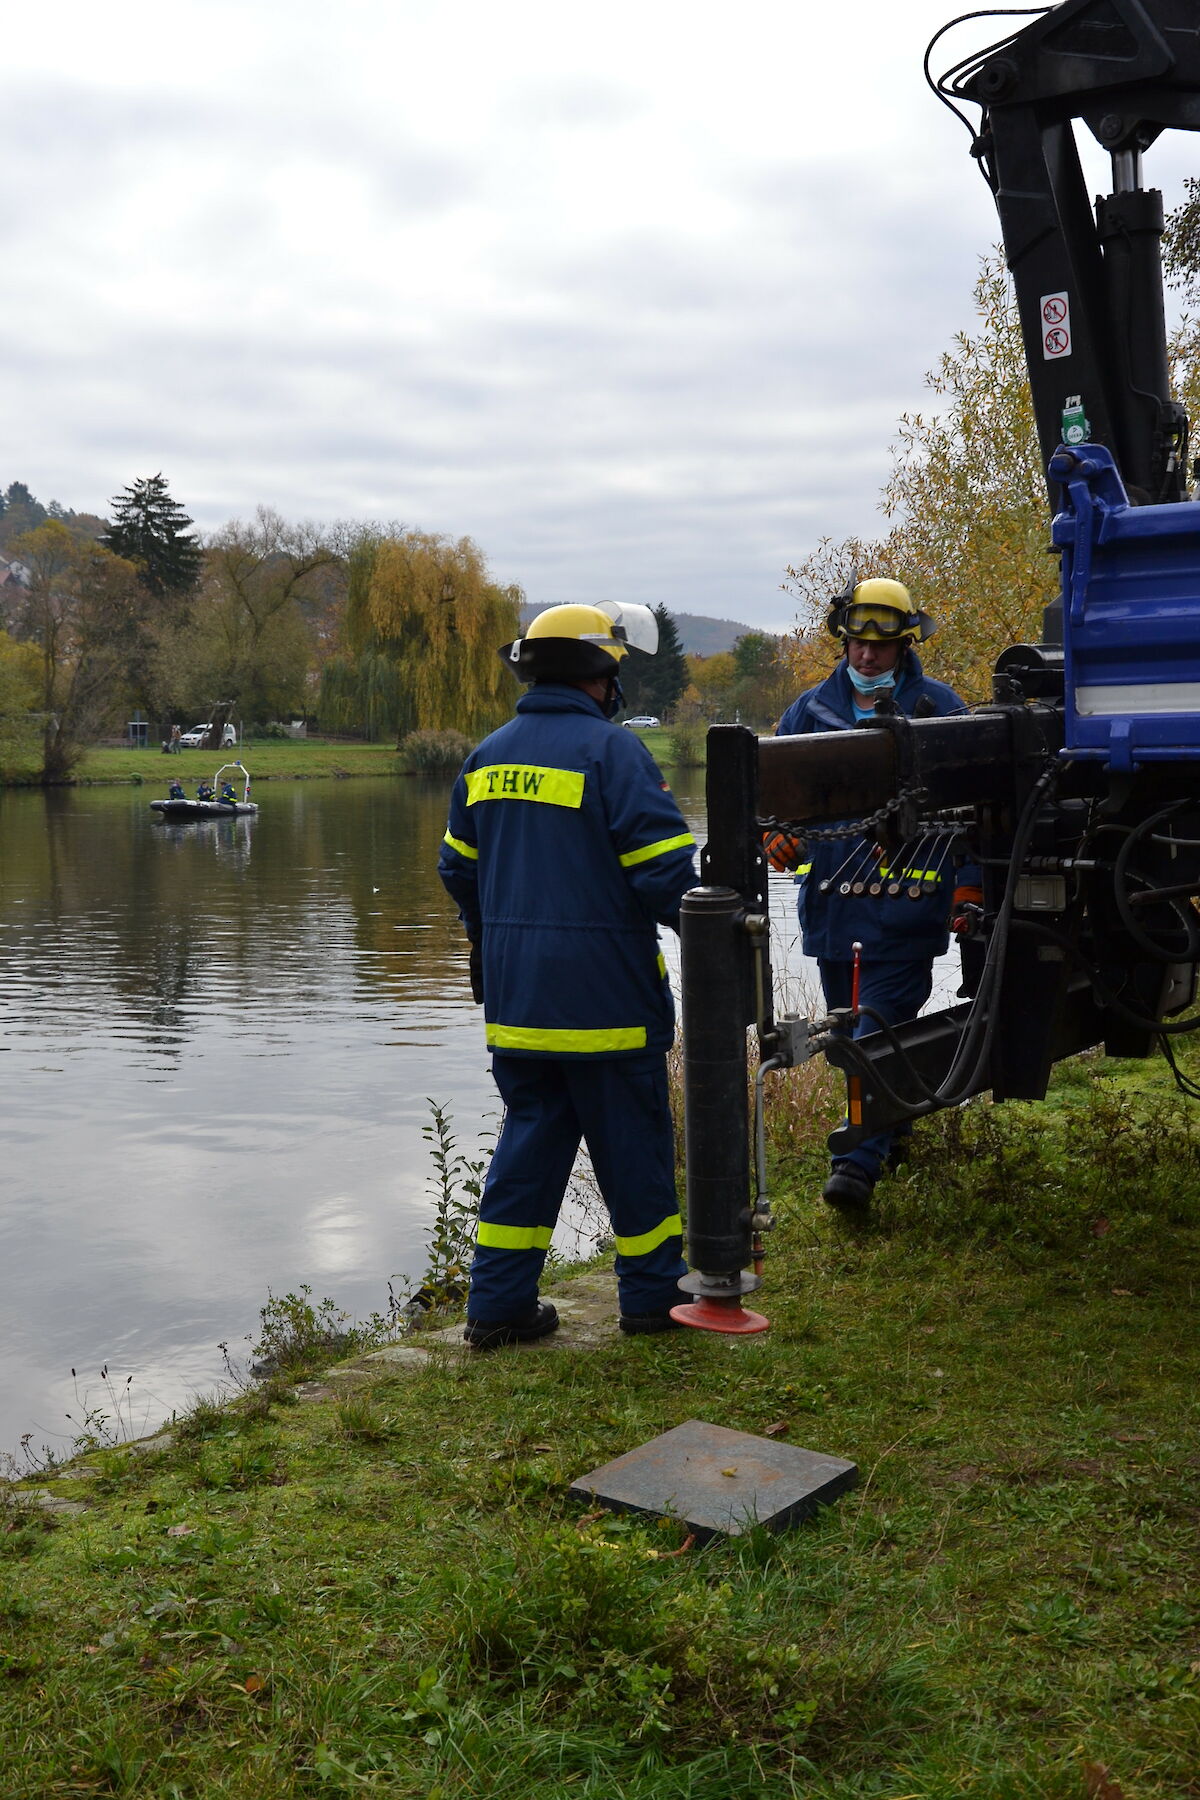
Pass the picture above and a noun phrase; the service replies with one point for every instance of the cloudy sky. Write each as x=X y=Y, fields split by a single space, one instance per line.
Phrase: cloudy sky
x=633 y=294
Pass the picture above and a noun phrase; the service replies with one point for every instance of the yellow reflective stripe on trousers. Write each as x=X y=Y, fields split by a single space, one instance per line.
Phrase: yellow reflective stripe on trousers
x=525 y=781
x=513 y=1237
x=566 y=1043
x=683 y=842
x=650 y=1240
x=804 y=869
x=463 y=849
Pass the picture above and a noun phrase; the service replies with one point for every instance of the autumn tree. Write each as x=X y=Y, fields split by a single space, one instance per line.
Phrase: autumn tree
x=20 y=688
x=713 y=678
x=80 y=612
x=248 y=641
x=967 y=498
x=150 y=530
x=762 y=682
x=422 y=627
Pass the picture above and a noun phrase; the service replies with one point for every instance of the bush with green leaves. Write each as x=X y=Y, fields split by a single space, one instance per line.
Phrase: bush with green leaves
x=686 y=749
x=297 y=1337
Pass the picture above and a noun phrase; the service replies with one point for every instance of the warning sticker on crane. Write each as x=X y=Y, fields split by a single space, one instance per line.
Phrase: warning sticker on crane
x=1056 y=326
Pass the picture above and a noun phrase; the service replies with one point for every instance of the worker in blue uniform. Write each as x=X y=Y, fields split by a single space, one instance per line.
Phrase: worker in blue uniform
x=565 y=852
x=897 y=907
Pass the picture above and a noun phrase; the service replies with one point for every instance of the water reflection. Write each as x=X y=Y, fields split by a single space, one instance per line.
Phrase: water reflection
x=218 y=1040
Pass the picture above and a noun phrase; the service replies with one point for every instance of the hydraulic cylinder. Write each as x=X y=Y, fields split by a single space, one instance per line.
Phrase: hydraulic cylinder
x=718 y=1006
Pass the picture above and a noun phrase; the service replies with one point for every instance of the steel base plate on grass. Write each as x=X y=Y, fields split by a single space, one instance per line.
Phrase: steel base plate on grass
x=716 y=1480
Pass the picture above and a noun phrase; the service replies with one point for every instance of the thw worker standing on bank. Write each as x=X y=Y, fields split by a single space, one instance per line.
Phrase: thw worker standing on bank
x=896 y=907
x=565 y=851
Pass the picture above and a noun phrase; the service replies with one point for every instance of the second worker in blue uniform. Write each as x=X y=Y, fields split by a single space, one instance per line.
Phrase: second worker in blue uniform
x=897 y=908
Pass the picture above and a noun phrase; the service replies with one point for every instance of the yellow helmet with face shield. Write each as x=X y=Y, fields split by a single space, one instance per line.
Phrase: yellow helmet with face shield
x=581 y=643
x=879 y=610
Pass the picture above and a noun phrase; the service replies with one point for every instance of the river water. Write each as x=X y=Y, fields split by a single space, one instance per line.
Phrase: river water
x=218 y=1045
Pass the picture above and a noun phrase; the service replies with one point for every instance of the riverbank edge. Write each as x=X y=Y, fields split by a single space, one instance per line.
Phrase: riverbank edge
x=391 y=1586
x=271 y=760
x=586 y=1300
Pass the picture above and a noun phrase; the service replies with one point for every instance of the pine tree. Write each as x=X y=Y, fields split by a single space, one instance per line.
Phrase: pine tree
x=150 y=530
x=19 y=512
x=653 y=684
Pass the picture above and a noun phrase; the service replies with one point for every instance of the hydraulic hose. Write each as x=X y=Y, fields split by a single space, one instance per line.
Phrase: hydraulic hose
x=979 y=1029
x=1109 y=1000
x=993 y=968
x=1186 y=918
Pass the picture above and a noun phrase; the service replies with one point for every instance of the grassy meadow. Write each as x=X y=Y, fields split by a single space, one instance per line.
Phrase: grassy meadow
x=384 y=1588
x=272 y=759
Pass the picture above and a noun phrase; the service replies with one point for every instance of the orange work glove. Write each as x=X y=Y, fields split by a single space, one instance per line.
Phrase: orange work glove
x=966 y=911
x=783 y=851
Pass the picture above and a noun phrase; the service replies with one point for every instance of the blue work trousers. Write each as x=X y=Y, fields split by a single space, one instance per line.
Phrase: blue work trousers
x=620 y=1107
x=896 y=991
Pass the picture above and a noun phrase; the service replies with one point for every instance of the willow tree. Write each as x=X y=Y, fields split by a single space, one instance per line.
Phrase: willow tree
x=422 y=626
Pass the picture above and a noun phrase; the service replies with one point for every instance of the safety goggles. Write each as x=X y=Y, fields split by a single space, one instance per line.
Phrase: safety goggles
x=862 y=619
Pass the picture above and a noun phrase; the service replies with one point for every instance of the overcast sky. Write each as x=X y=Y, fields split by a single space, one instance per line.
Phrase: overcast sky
x=632 y=294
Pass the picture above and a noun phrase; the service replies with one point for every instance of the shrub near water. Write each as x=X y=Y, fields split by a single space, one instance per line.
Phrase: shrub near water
x=434 y=752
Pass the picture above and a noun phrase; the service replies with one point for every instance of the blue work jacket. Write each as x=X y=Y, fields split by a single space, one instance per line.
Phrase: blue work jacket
x=899 y=927
x=565 y=851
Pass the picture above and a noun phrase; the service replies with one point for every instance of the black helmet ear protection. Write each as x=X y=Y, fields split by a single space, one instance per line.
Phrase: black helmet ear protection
x=879 y=609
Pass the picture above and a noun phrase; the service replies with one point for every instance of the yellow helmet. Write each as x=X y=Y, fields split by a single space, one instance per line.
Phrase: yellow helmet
x=880 y=610
x=580 y=643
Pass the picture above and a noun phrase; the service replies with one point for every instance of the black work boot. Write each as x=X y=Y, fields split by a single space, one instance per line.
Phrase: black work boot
x=848 y=1188
x=485 y=1334
x=642 y=1324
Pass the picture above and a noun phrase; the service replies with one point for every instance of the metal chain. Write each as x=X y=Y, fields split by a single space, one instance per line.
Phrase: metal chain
x=856 y=827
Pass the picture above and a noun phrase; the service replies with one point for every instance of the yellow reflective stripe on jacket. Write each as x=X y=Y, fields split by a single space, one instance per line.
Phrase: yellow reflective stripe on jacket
x=513 y=1237
x=566 y=1043
x=910 y=874
x=525 y=781
x=662 y=965
x=804 y=869
x=463 y=849
x=650 y=1240
x=683 y=842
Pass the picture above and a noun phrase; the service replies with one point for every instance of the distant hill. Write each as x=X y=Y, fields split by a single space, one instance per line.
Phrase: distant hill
x=698 y=635
x=708 y=637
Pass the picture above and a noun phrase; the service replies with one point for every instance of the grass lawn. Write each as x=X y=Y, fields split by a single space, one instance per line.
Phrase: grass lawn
x=274 y=759
x=388 y=1591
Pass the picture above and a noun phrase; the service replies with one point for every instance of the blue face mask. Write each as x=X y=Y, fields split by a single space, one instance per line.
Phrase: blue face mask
x=870 y=684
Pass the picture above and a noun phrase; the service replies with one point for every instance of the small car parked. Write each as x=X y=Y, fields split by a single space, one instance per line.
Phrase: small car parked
x=641 y=722
x=191 y=740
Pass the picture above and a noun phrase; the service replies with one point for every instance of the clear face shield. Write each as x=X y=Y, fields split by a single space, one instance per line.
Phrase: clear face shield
x=632 y=624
